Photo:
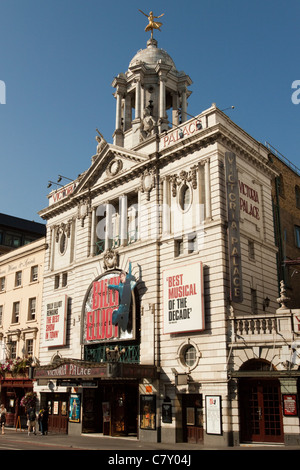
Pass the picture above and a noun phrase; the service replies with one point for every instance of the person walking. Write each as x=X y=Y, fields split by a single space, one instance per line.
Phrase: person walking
x=2 y=417
x=31 y=417
x=40 y=417
x=44 y=421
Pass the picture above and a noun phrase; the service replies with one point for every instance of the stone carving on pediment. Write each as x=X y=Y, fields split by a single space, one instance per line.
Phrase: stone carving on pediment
x=110 y=259
x=183 y=177
x=147 y=182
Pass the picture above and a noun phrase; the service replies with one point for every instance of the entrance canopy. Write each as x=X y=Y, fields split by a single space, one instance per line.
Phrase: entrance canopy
x=76 y=369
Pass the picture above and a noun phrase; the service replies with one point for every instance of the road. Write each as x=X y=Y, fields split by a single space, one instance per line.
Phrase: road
x=125 y=451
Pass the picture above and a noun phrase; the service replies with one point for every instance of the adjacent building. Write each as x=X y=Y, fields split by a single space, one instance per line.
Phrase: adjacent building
x=160 y=316
x=16 y=232
x=286 y=204
x=21 y=280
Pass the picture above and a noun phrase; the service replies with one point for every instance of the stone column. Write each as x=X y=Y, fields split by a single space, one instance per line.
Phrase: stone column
x=108 y=226
x=138 y=100
x=207 y=189
x=183 y=105
x=127 y=112
x=118 y=111
x=163 y=121
x=166 y=206
x=123 y=219
x=175 y=115
x=93 y=232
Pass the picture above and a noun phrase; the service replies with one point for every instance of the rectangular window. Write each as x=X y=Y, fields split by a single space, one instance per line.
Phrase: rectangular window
x=251 y=252
x=29 y=347
x=2 y=284
x=192 y=243
x=18 y=279
x=32 y=309
x=132 y=218
x=64 y=281
x=13 y=240
x=56 y=281
x=297 y=236
x=13 y=349
x=1 y=314
x=16 y=312
x=297 y=194
x=34 y=274
x=253 y=301
x=178 y=248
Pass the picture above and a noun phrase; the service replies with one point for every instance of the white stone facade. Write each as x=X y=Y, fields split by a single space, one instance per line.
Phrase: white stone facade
x=165 y=198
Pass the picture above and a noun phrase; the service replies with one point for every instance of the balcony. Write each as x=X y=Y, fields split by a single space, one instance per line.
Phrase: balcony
x=279 y=328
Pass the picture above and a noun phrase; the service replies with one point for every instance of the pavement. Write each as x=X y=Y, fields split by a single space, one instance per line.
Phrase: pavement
x=84 y=442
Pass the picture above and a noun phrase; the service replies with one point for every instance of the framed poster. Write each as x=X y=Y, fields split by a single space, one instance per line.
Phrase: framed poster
x=56 y=321
x=74 y=412
x=213 y=414
x=148 y=412
x=106 y=412
x=183 y=298
x=290 y=407
x=166 y=413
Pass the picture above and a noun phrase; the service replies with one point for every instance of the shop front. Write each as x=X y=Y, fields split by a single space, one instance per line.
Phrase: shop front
x=13 y=389
x=111 y=409
x=87 y=397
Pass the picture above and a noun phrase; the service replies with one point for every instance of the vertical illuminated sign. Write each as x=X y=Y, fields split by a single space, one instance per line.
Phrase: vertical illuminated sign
x=233 y=214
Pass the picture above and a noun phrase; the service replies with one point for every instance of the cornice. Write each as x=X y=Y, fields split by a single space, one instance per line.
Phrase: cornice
x=229 y=136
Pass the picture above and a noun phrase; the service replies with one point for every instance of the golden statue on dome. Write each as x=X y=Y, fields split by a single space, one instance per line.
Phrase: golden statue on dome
x=152 y=24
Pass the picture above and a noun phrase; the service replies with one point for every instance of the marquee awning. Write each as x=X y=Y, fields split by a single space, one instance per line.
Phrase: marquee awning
x=76 y=369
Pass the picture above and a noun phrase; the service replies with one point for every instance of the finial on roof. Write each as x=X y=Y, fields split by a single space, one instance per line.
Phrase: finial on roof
x=152 y=24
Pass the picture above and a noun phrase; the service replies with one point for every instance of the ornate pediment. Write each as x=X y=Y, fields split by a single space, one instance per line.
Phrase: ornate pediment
x=110 y=164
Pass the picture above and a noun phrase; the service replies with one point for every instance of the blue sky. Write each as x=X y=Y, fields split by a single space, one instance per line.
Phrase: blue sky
x=59 y=57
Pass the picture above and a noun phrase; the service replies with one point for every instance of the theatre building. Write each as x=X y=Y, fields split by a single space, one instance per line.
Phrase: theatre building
x=160 y=317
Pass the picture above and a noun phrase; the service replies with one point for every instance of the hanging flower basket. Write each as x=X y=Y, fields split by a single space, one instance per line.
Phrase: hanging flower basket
x=16 y=366
x=29 y=400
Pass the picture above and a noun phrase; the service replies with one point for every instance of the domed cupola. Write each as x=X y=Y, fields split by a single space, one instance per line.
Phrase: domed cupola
x=151 y=56
x=149 y=95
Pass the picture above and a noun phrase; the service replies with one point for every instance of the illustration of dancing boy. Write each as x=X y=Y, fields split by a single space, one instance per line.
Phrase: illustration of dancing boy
x=126 y=285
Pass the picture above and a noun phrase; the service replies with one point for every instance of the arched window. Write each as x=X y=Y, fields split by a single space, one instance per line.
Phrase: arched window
x=185 y=197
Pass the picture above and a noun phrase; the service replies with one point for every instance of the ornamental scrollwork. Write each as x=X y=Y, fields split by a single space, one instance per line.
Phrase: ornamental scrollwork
x=183 y=177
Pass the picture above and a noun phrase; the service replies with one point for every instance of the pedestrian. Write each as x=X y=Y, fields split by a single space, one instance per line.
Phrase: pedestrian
x=44 y=421
x=31 y=417
x=40 y=416
x=2 y=417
